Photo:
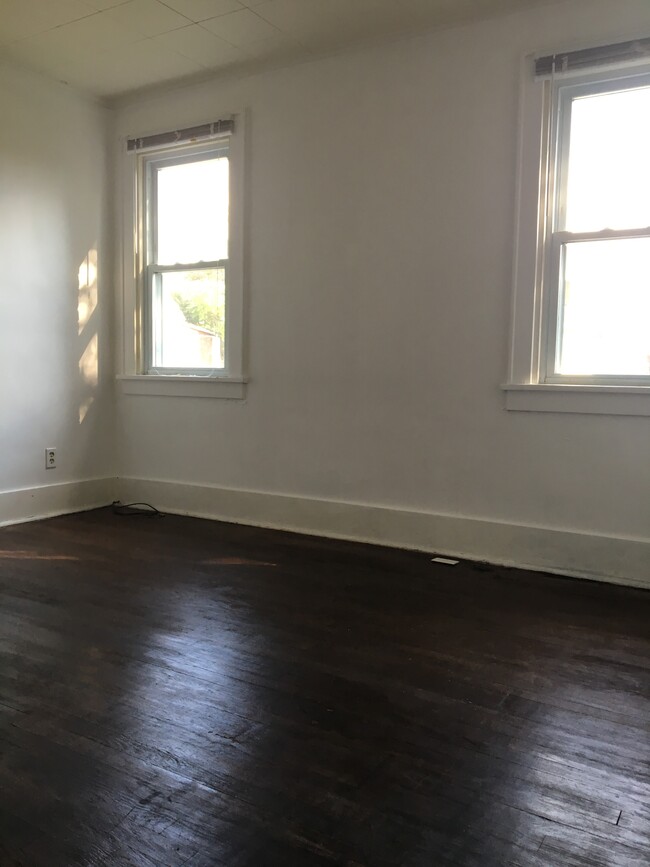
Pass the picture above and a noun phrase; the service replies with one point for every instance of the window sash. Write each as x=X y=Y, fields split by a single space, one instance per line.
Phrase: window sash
x=564 y=97
x=153 y=163
x=154 y=321
x=151 y=294
x=150 y=271
x=554 y=325
x=555 y=238
x=187 y=266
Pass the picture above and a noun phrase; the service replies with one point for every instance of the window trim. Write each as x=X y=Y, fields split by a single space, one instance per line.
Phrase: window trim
x=531 y=378
x=230 y=388
x=133 y=376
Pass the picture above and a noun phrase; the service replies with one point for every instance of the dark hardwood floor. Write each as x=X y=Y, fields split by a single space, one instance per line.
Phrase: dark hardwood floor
x=183 y=692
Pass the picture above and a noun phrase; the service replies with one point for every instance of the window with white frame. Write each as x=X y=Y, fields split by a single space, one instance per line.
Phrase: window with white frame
x=582 y=272
x=187 y=293
x=185 y=258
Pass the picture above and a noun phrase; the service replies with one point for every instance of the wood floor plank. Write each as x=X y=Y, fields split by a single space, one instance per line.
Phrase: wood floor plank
x=187 y=693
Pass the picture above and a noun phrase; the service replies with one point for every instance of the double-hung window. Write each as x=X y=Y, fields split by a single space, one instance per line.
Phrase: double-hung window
x=582 y=275
x=187 y=293
x=185 y=268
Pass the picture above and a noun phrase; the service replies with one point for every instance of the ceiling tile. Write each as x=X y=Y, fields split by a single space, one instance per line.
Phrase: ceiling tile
x=21 y=18
x=86 y=38
x=131 y=67
x=279 y=47
x=240 y=28
x=148 y=17
x=423 y=13
x=199 y=45
x=100 y=5
x=333 y=22
x=61 y=11
x=201 y=10
x=98 y=32
x=113 y=46
x=498 y=7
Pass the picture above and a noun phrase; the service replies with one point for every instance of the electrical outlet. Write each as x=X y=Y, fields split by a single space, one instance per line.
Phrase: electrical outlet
x=50 y=459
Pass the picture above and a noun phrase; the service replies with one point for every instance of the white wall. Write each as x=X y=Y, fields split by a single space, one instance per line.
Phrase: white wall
x=56 y=384
x=382 y=189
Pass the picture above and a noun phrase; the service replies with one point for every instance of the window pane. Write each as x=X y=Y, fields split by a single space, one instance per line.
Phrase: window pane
x=189 y=319
x=609 y=170
x=192 y=212
x=605 y=308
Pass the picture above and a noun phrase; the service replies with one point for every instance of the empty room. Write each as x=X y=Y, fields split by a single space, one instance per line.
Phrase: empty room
x=324 y=433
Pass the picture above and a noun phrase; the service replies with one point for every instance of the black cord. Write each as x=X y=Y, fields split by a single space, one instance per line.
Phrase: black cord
x=136 y=509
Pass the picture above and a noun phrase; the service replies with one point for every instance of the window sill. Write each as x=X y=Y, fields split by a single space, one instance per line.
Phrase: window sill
x=228 y=388
x=590 y=399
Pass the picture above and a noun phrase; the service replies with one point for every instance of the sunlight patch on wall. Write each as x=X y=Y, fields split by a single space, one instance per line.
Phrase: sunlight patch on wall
x=88 y=366
x=83 y=409
x=87 y=288
x=89 y=370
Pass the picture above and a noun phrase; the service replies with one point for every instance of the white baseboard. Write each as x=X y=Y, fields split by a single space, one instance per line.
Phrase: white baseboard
x=46 y=501
x=604 y=558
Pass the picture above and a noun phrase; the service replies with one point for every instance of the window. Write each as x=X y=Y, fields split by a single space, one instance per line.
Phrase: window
x=187 y=250
x=599 y=317
x=186 y=260
x=582 y=273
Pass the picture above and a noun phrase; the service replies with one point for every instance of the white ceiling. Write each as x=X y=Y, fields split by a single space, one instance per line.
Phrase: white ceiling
x=111 y=47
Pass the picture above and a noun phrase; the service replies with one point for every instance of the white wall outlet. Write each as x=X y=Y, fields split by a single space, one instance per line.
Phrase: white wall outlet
x=50 y=459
